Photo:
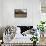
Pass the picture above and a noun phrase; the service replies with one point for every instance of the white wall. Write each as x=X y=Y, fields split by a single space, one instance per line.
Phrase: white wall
x=0 y=11
x=33 y=12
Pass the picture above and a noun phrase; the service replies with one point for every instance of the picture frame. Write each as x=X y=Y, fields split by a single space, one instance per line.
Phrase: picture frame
x=20 y=13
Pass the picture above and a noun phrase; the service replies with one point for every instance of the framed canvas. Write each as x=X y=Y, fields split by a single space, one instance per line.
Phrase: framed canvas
x=20 y=12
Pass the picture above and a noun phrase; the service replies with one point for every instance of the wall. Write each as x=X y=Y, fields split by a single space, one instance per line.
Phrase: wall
x=33 y=12
x=0 y=12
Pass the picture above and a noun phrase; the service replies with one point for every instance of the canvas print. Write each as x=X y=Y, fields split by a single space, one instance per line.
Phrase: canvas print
x=20 y=13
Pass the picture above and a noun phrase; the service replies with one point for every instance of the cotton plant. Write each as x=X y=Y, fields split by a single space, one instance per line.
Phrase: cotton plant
x=34 y=39
x=41 y=27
